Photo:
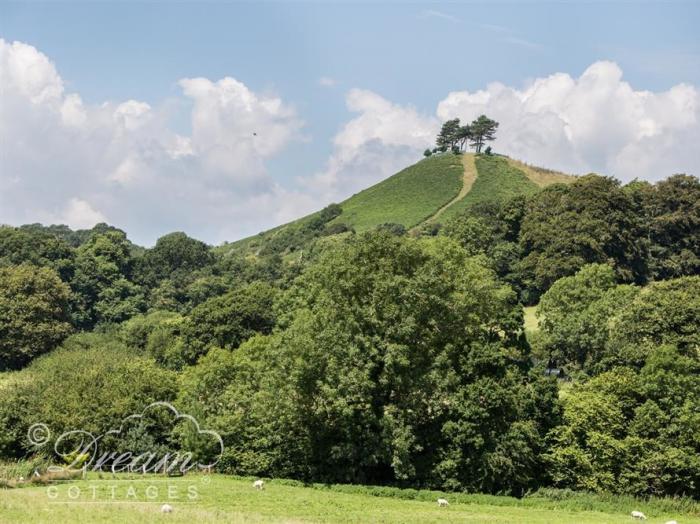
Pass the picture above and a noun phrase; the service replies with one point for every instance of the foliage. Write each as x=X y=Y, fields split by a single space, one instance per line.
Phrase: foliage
x=670 y=212
x=665 y=312
x=454 y=136
x=230 y=319
x=568 y=226
x=575 y=315
x=394 y=363
x=174 y=255
x=633 y=432
x=91 y=383
x=104 y=291
x=36 y=247
x=481 y=130
x=33 y=313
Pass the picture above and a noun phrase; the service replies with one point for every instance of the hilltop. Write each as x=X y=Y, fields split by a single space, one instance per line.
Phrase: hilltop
x=431 y=191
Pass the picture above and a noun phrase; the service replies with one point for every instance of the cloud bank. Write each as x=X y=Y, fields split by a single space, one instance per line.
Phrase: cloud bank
x=596 y=122
x=65 y=161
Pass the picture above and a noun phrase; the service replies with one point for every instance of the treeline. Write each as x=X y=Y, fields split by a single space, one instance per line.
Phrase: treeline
x=644 y=232
x=382 y=357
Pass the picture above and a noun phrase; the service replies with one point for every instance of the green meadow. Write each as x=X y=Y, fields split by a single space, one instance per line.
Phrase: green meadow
x=226 y=499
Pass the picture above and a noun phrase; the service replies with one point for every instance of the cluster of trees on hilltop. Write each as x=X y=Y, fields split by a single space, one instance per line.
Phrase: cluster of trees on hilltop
x=383 y=357
x=456 y=137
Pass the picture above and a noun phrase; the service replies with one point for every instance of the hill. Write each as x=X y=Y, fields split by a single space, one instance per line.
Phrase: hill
x=431 y=191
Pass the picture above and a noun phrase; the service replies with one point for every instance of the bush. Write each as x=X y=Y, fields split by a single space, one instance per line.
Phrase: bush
x=91 y=383
x=33 y=314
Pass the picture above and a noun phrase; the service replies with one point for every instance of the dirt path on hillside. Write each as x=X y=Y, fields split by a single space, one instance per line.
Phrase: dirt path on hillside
x=467 y=181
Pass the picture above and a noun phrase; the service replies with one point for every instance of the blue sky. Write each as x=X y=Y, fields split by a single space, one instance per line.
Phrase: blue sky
x=412 y=55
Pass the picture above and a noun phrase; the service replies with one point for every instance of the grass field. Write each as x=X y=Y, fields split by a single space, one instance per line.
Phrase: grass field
x=409 y=197
x=225 y=499
x=532 y=323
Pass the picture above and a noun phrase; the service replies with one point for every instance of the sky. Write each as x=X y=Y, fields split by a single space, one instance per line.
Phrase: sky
x=222 y=119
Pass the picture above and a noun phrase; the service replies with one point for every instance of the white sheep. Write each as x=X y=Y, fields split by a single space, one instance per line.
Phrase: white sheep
x=671 y=522
x=259 y=484
x=166 y=508
x=443 y=503
x=638 y=515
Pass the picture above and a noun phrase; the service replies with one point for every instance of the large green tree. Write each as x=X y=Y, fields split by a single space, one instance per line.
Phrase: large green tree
x=36 y=247
x=175 y=256
x=568 y=226
x=633 y=431
x=482 y=130
x=394 y=361
x=33 y=313
x=576 y=312
x=91 y=383
x=670 y=213
x=228 y=320
x=102 y=282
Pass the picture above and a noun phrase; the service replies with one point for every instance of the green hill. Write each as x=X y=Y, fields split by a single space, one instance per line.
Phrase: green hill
x=430 y=191
x=408 y=198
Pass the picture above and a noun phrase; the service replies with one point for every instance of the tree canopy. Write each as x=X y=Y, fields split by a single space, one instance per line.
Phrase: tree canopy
x=455 y=137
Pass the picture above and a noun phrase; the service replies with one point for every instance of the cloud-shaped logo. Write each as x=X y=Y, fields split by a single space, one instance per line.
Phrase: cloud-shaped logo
x=158 y=439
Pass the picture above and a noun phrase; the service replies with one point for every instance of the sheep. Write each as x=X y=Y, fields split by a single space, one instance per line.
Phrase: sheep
x=638 y=515
x=442 y=503
x=166 y=508
x=671 y=522
x=259 y=484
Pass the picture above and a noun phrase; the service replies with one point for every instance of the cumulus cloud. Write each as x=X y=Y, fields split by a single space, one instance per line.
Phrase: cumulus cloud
x=596 y=122
x=65 y=161
x=383 y=138
x=69 y=162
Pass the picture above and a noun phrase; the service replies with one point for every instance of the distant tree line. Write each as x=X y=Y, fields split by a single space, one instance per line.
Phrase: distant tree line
x=456 y=137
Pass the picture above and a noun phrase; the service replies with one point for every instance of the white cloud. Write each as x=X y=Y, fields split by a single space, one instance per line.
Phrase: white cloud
x=62 y=160
x=79 y=214
x=382 y=139
x=596 y=122
x=327 y=81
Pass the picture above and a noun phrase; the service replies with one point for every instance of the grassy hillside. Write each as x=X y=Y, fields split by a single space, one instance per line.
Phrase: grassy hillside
x=409 y=197
x=227 y=499
x=497 y=179
x=432 y=190
x=541 y=176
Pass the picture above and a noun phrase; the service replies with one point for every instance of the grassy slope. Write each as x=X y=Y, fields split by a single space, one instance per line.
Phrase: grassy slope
x=434 y=189
x=468 y=179
x=541 y=176
x=225 y=499
x=409 y=197
x=496 y=180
